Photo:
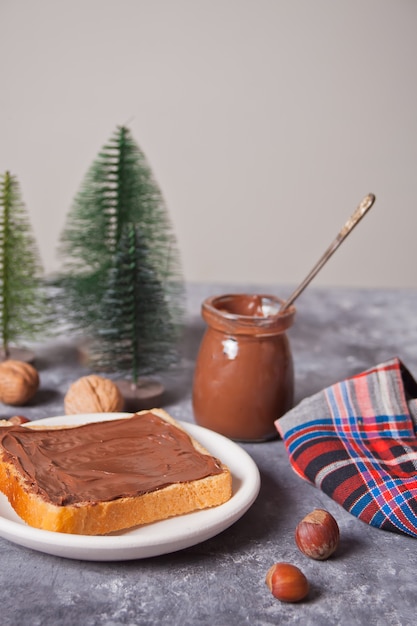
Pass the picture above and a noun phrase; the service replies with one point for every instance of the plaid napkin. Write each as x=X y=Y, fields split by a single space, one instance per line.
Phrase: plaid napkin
x=356 y=441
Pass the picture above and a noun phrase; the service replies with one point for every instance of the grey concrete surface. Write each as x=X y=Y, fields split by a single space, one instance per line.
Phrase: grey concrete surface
x=371 y=578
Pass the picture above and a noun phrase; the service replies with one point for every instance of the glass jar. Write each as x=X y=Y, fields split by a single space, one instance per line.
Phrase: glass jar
x=244 y=378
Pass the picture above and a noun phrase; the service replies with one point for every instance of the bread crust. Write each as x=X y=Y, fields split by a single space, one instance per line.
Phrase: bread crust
x=99 y=518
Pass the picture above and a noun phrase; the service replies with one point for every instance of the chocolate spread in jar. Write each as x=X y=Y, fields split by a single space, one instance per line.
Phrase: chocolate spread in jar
x=243 y=379
x=104 y=461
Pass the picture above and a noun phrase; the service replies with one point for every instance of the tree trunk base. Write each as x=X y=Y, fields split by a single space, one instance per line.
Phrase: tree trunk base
x=145 y=395
x=18 y=354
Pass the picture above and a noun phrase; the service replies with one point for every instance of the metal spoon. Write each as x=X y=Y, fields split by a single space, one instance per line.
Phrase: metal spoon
x=354 y=219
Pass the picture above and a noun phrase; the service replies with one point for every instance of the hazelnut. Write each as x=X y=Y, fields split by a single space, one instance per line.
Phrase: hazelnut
x=287 y=583
x=93 y=394
x=19 y=381
x=17 y=420
x=317 y=535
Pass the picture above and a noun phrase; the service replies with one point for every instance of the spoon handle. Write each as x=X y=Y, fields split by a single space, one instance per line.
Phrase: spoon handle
x=354 y=219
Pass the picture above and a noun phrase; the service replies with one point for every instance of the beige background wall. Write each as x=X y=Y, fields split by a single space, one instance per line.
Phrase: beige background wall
x=265 y=123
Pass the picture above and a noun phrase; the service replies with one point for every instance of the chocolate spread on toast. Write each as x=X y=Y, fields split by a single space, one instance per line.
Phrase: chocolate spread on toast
x=103 y=461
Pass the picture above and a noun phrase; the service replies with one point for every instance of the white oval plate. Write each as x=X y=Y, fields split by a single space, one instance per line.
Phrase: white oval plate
x=154 y=539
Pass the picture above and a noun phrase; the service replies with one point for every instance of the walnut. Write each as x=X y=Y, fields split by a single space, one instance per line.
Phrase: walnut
x=19 y=381
x=93 y=394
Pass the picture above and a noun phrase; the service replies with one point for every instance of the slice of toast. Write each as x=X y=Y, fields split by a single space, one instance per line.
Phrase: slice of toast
x=107 y=476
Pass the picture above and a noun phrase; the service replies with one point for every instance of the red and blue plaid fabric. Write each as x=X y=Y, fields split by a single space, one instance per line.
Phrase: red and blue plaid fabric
x=356 y=441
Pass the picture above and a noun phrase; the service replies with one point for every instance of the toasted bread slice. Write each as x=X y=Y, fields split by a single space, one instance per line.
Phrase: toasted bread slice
x=103 y=477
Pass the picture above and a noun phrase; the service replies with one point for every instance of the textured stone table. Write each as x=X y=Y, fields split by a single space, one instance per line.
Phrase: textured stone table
x=220 y=582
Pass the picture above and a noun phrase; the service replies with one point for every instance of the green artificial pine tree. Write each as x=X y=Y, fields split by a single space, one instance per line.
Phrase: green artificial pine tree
x=136 y=329
x=23 y=302
x=121 y=281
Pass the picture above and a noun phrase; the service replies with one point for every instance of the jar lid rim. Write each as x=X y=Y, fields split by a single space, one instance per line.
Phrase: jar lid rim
x=211 y=306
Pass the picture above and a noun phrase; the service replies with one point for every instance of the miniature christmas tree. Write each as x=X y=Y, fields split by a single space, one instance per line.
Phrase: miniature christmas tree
x=121 y=278
x=23 y=303
x=136 y=324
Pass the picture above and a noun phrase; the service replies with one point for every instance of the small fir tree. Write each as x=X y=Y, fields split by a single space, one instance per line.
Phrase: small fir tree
x=121 y=268
x=23 y=301
x=136 y=326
